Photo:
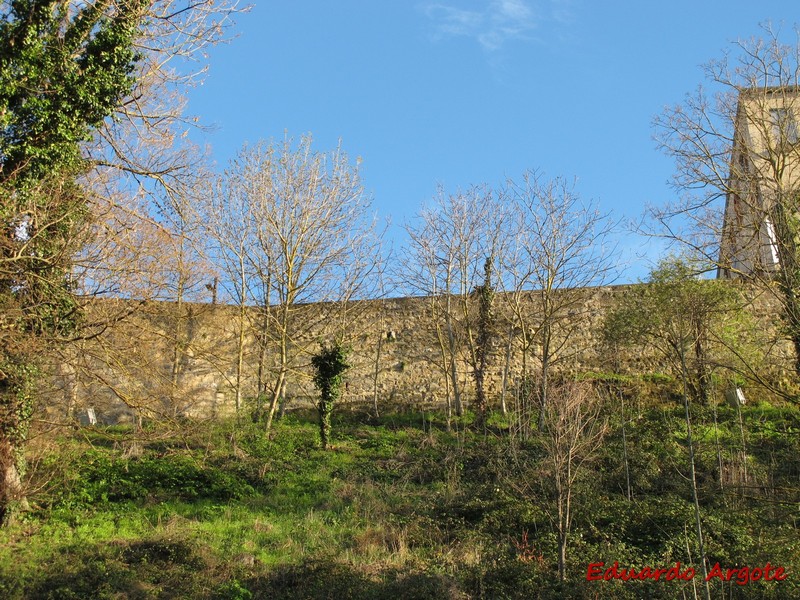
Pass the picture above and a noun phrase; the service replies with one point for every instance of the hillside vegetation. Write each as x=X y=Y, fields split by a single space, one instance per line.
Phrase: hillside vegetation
x=399 y=507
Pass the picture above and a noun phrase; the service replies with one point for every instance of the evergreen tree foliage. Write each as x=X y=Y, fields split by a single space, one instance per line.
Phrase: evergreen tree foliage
x=65 y=68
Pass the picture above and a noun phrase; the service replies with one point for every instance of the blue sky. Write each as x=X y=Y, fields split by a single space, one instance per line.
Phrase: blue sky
x=472 y=92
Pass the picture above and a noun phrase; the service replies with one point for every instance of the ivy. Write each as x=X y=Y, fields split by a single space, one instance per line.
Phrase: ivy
x=61 y=76
x=486 y=322
x=330 y=365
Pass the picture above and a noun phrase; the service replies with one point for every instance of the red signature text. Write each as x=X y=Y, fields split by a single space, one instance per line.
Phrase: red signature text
x=598 y=571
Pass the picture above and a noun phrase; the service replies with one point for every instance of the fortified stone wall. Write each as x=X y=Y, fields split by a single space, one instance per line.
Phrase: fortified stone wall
x=159 y=360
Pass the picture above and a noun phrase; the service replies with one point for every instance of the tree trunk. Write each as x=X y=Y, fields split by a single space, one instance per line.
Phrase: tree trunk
x=701 y=366
x=276 y=396
x=563 y=497
x=451 y=349
x=544 y=383
x=480 y=395
x=693 y=476
x=447 y=383
x=325 y=409
x=453 y=371
x=177 y=343
x=625 y=445
x=240 y=358
x=376 y=373
x=12 y=494
x=789 y=272
x=261 y=385
x=506 y=368
x=260 y=380
x=283 y=367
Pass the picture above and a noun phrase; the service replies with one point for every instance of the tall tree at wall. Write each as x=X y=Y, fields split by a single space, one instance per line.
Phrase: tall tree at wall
x=483 y=344
x=311 y=238
x=227 y=219
x=559 y=246
x=450 y=241
x=64 y=69
x=143 y=177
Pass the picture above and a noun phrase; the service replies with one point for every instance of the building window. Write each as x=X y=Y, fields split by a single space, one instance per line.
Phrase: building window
x=784 y=125
x=771 y=259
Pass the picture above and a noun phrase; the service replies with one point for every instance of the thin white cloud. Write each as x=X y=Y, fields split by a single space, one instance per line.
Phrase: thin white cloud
x=513 y=10
x=492 y=26
x=452 y=21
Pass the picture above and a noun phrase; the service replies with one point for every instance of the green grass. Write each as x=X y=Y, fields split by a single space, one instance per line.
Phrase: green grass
x=398 y=508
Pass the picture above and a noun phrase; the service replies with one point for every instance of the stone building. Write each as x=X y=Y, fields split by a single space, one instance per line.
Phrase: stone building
x=763 y=182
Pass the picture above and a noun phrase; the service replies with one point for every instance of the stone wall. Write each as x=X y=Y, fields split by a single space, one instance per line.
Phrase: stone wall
x=159 y=360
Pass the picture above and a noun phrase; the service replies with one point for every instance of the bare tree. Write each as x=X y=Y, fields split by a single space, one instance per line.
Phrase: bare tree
x=228 y=222
x=144 y=180
x=143 y=163
x=146 y=145
x=431 y=270
x=456 y=238
x=305 y=234
x=155 y=266
x=183 y=268
x=573 y=431
x=142 y=174
x=560 y=246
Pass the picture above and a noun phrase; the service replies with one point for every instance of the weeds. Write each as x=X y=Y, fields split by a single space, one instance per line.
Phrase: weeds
x=395 y=510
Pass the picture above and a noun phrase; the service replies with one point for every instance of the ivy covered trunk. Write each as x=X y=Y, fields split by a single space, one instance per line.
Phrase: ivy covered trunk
x=38 y=309
x=325 y=408
x=485 y=294
x=329 y=365
x=11 y=491
x=16 y=408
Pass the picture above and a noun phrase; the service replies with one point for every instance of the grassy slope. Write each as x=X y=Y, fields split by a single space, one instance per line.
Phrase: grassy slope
x=397 y=510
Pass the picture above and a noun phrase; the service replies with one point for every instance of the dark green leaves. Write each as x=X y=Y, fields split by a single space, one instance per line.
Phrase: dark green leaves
x=61 y=73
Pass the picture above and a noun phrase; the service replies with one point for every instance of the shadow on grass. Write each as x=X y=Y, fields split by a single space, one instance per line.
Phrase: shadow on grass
x=166 y=569
x=323 y=579
x=156 y=568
